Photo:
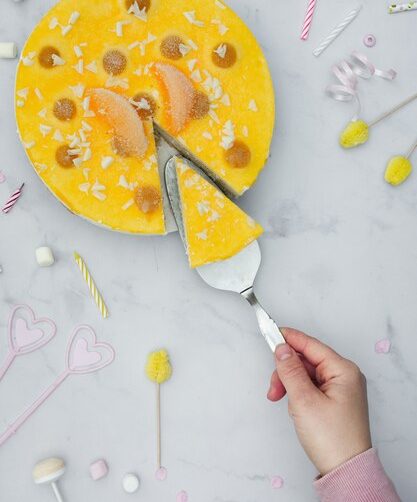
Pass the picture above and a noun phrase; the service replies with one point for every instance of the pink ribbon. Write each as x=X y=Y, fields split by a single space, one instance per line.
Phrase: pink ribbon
x=347 y=73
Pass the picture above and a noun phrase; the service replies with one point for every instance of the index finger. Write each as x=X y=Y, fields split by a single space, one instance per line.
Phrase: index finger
x=314 y=351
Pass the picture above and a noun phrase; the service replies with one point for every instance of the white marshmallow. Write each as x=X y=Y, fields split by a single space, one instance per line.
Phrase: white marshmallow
x=130 y=483
x=8 y=50
x=45 y=257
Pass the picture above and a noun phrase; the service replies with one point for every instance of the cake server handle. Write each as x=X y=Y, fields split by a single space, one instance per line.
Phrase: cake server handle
x=267 y=325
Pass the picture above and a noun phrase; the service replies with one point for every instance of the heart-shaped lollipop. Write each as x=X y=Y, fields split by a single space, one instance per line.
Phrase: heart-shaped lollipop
x=85 y=354
x=27 y=333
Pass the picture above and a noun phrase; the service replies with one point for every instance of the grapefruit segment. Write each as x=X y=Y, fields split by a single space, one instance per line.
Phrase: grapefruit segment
x=127 y=127
x=180 y=94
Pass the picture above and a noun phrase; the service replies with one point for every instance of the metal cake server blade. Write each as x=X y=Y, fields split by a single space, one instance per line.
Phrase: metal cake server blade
x=236 y=274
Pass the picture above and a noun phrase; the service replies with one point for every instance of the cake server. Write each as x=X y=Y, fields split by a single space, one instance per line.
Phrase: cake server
x=237 y=274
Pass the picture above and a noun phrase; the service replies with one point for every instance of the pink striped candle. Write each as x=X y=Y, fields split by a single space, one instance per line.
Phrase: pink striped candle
x=308 y=19
x=12 y=200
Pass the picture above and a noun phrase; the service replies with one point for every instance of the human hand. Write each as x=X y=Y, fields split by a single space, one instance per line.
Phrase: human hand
x=326 y=400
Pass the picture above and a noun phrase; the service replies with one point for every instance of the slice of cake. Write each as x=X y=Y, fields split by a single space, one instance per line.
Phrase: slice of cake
x=215 y=227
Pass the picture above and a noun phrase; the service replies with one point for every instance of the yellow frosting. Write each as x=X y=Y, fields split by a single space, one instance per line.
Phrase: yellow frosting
x=158 y=367
x=241 y=98
x=215 y=227
x=398 y=170
x=356 y=133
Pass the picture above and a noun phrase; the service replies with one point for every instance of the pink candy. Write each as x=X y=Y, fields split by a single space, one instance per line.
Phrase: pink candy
x=383 y=346
x=182 y=496
x=277 y=482
x=161 y=474
x=99 y=470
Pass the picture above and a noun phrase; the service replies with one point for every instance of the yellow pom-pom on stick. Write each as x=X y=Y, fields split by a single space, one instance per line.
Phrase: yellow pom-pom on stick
x=158 y=370
x=357 y=132
x=398 y=170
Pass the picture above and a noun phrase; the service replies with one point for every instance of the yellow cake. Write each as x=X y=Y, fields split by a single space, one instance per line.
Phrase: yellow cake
x=215 y=227
x=192 y=66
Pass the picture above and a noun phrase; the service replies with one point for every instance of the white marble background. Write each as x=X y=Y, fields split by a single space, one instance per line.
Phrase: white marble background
x=339 y=261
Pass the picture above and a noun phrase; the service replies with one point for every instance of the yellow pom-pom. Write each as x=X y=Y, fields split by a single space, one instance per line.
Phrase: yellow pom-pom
x=398 y=170
x=355 y=134
x=158 y=367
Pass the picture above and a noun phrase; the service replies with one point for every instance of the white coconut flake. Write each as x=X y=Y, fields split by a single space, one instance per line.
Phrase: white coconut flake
x=86 y=172
x=66 y=29
x=128 y=204
x=92 y=67
x=84 y=187
x=184 y=49
x=208 y=135
x=87 y=155
x=123 y=182
x=221 y=50
x=190 y=16
x=57 y=60
x=43 y=113
x=191 y=64
x=106 y=162
x=98 y=187
x=28 y=144
x=99 y=195
x=77 y=161
x=20 y=103
x=45 y=130
x=79 y=67
x=253 y=107
x=53 y=23
x=41 y=167
x=214 y=216
x=203 y=207
x=133 y=45
x=112 y=81
x=119 y=27
x=196 y=76
x=57 y=136
x=202 y=235
x=38 y=93
x=23 y=93
x=225 y=100
x=223 y=29
x=245 y=131
x=74 y=17
x=78 y=51
x=219 y=4
x=192 y=44
x=140 y=14
x=214 y=116
x=28 y=60
x=86 y=126
x=78 y=90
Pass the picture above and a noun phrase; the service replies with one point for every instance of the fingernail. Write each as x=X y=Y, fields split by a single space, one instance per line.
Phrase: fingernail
x=283 y=352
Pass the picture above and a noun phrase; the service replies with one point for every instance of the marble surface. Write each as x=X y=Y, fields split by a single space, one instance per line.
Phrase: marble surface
x=339 y=261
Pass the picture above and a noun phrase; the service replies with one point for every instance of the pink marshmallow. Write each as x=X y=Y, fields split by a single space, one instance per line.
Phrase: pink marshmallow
x=99 y=470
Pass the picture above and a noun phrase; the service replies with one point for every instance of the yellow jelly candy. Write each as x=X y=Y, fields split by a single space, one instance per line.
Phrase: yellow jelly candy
x=356 y=133
x=158 y=367
x=398 y=170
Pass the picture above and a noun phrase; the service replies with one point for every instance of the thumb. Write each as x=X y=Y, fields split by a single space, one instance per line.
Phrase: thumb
x=293 y=375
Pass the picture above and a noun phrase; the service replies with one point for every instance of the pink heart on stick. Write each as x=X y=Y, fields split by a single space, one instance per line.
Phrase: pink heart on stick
x=26 y=332
x=85 y=354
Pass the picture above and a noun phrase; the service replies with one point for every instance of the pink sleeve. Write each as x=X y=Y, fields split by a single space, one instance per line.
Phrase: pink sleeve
x=361 y=479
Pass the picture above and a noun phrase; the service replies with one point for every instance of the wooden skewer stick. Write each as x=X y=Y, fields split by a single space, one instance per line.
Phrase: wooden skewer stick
x=393 y=110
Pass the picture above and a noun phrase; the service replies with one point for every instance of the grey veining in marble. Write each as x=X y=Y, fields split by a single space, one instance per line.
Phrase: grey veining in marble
x=339 y=261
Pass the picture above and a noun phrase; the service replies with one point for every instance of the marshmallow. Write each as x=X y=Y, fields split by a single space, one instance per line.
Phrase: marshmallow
x=44 y=257
x=8 y=50
x=130 y=483
x=99 y=470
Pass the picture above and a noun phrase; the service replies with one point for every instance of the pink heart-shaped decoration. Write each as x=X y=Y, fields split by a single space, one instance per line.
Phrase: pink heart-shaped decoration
x=2 y=177
x=85 y=354
x=26 y=332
